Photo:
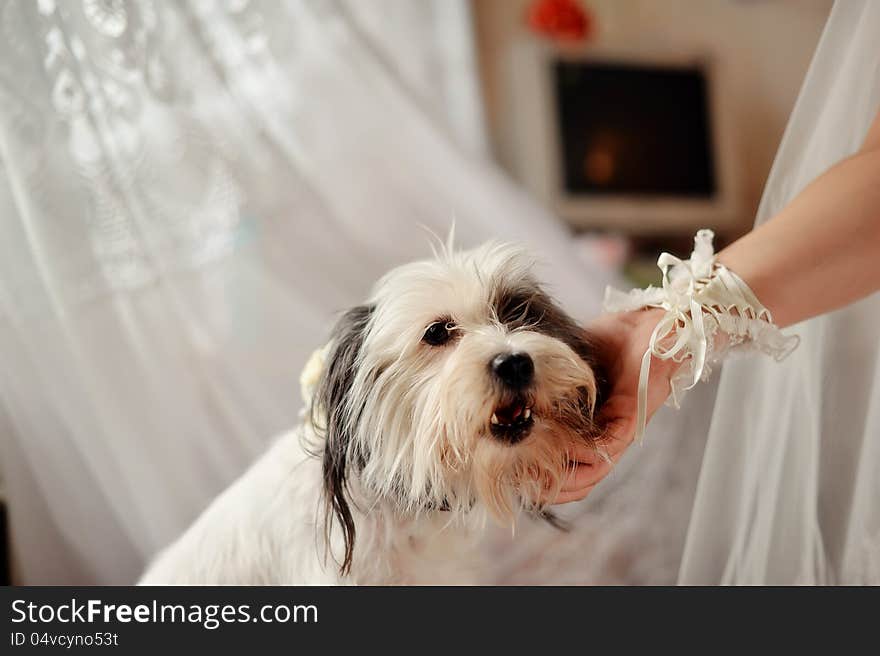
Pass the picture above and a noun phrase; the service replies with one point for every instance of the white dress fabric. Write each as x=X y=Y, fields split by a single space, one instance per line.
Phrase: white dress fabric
x=789 y=490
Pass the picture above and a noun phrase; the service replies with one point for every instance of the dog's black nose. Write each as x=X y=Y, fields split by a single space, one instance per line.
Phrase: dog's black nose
x=515 y=370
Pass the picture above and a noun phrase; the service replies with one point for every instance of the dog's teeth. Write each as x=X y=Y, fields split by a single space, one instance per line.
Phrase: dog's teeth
x=494 y=418
x=527 y=413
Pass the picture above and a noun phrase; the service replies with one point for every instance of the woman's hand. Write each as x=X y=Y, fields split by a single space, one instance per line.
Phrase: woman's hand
x=623 y=339
x=784 y=262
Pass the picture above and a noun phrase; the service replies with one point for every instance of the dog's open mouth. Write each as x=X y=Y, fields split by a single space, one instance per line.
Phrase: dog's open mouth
x=512 y=421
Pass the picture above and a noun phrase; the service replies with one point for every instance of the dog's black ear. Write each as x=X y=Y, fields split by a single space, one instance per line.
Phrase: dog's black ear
x=334 y=401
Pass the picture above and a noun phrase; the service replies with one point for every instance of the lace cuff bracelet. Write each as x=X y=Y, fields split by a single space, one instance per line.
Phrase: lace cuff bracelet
x=702 y=298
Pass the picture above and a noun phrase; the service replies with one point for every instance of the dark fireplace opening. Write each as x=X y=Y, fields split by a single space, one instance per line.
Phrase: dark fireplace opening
x=634 y=130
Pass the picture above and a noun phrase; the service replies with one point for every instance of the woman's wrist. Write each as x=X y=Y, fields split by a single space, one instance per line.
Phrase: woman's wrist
x=701 y=311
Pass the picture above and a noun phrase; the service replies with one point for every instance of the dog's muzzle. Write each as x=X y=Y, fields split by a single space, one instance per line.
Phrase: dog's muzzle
x=512 y=419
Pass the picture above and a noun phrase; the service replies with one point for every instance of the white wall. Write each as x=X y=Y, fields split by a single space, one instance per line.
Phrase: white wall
x=763 y=47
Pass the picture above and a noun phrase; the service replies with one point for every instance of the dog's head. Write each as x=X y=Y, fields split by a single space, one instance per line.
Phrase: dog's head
x=460 y=385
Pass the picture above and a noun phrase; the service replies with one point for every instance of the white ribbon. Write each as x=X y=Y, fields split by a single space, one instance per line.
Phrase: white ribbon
x=701 y=298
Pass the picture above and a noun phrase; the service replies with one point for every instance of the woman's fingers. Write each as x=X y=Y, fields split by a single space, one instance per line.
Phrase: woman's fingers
x=584 y=453
x=593 y=462
x=573 y=495
x=619 y=434
x=585 y=475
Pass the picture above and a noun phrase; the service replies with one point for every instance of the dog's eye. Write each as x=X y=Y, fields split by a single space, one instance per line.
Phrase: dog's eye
x=438 y=333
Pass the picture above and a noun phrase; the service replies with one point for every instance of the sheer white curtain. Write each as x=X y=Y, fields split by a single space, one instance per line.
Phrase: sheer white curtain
x=188 y=193
x=789 y=487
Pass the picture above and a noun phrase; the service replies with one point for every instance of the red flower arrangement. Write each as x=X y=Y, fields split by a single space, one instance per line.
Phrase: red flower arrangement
x=560 y=20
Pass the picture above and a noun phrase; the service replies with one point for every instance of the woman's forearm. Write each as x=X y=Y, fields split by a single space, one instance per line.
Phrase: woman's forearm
x=822 y=251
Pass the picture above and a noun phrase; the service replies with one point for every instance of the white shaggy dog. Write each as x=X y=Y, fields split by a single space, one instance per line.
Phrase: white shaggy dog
x=451 y=396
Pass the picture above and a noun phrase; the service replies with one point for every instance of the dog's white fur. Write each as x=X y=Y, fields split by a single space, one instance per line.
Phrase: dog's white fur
x=408 y=442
